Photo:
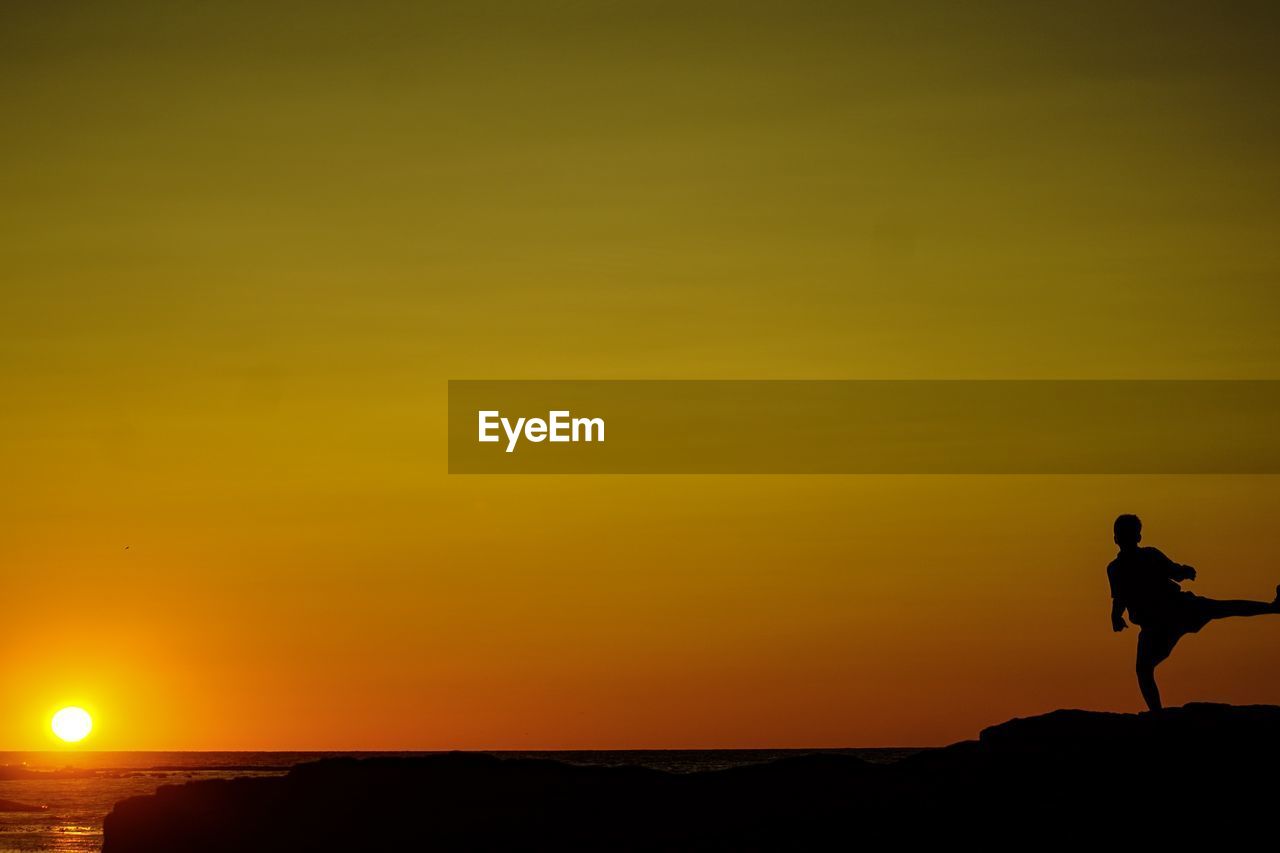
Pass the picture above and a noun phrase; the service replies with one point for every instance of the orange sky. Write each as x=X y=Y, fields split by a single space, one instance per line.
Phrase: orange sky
x=242 y=251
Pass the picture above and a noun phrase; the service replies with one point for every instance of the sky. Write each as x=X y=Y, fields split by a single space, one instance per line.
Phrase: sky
x=244 y=246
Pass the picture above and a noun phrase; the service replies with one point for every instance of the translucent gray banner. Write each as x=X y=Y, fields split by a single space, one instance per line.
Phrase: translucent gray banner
x=864 y=427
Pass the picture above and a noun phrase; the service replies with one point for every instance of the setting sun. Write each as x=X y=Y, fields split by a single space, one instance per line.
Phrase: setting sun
x=72 y=724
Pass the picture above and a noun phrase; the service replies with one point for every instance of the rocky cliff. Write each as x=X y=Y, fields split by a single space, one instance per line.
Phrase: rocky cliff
x=1196 y=774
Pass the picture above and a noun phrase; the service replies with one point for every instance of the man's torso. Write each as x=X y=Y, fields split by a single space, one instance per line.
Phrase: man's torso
x=1141 y=579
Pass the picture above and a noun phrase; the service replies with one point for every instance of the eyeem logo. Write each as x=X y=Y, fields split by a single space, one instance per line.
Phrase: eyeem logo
x=559 y=426
x=780 y=426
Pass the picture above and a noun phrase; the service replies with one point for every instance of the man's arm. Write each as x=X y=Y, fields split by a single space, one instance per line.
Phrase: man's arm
x=1117 y=615
x=1177 y=571
x=1117 y=606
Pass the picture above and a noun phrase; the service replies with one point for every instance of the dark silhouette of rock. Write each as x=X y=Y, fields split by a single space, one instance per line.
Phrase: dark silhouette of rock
x=1196 y=774
x=11 y=806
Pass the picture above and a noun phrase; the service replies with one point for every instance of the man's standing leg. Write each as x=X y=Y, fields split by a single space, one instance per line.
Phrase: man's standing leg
x=1153 y=647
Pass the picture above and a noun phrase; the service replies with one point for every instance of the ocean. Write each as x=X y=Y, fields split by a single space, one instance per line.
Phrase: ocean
x=80 y=788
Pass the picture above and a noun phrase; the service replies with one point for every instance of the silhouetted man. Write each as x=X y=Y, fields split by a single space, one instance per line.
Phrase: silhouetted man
x=1145 y=582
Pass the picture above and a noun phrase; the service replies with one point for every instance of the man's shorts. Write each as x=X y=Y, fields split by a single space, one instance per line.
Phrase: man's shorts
x=1186 y=614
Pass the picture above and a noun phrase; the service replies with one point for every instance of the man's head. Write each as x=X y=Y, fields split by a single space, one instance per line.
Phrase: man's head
x=1128 y=530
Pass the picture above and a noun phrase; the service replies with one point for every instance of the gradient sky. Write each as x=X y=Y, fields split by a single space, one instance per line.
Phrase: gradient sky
x=243 y=247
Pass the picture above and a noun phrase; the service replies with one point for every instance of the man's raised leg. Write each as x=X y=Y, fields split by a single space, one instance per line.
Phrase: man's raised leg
x=1239 y=607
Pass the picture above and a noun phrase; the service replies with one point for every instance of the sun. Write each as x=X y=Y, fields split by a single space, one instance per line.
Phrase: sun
x=72 y=724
